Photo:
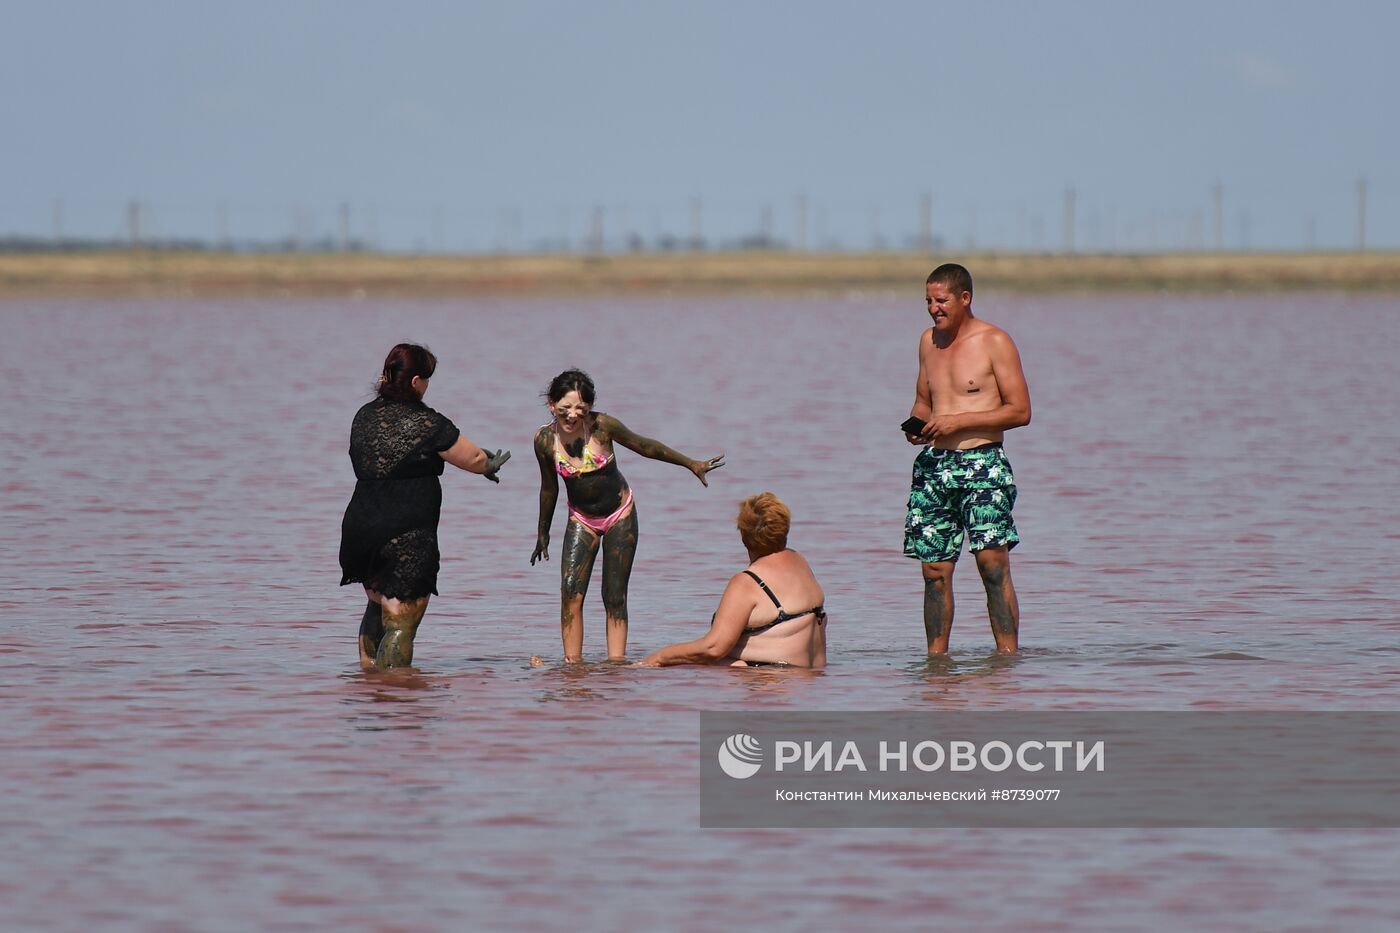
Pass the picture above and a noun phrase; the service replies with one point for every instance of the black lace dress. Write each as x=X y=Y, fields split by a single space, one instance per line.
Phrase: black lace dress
x=388 y=539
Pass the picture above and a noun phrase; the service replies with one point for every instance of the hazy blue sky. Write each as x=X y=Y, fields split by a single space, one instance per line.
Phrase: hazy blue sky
x=464 y=125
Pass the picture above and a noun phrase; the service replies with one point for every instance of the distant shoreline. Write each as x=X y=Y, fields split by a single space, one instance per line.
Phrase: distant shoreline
x=139 y=273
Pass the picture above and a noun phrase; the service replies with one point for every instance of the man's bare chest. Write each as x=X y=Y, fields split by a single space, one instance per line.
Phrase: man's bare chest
x=959 y=371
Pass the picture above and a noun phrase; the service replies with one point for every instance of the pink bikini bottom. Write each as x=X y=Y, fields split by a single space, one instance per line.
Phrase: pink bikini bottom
x=600 y=526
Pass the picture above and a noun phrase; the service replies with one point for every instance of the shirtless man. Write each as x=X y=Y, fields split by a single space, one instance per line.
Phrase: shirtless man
x=970 y=391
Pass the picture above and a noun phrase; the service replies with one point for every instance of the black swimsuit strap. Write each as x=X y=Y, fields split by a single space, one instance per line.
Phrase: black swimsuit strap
x=783 y=614
x=759 y=580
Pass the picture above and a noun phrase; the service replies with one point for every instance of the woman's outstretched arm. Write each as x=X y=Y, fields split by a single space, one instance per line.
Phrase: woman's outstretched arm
x=735 y=607
x=655 y=450
x=465 y=455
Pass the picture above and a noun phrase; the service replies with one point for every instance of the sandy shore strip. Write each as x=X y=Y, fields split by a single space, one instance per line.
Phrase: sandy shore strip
x=160 y=273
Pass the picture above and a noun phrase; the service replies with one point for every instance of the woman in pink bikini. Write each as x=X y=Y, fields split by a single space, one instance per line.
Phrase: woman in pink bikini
x=578 y=446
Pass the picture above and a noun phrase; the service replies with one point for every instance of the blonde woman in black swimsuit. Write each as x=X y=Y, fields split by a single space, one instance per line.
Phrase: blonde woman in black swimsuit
x=771 y=614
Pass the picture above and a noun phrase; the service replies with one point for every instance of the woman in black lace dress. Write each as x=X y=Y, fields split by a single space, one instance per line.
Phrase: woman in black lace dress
x=388 y=539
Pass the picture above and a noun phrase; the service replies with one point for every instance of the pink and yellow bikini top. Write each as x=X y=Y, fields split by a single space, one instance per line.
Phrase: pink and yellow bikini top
x=591 y=461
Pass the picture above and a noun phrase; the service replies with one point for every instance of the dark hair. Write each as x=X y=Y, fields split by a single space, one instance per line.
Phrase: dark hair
x=763 y=523
x=404 y=362
x=570 y=380
x=956 y=277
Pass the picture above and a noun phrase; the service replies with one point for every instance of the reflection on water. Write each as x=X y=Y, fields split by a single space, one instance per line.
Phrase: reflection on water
x=970 y=680
x=948 y=665
x=397 y=699
x=584 y=681
x=190 y=735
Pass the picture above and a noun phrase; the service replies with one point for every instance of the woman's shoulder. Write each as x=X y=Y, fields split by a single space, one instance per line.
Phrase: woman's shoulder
x=799 y=559
x=379 y=403
x=606 y=427
x=431 y=412
x=368 y=410
x=786 y=566
x=742 y=584
x=406 y=415
x=418 y=413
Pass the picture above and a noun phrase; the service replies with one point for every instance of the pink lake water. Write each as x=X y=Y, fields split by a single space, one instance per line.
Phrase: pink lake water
x=1210 y=513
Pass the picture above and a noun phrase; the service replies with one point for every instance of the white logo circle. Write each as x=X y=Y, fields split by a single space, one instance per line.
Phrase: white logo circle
x=741 y=756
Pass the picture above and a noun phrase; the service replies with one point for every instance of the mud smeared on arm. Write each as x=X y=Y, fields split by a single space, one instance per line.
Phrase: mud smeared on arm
x=549 y=490
x=653 y=449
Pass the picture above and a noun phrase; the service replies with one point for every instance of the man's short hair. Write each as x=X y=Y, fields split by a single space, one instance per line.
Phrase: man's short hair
x=956 y=277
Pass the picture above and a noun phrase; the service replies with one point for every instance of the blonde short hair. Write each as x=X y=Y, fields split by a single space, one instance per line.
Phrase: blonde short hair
x=763 y=523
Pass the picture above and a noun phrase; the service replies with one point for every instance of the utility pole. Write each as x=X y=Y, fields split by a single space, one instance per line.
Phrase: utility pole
x=1361 y=214
x=697 y=225
x=802 y=223
x=926 y=222
x=595 y=232
x=1217 y=193
x=1069 y=220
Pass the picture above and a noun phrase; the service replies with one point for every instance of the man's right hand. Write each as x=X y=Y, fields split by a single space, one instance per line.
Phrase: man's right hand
x=541 y=551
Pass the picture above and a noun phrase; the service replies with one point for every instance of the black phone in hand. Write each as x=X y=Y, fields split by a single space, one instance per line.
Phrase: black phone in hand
x=913 y=425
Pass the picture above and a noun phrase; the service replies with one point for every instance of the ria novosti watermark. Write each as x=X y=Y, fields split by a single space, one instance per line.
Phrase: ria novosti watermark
x=1051 y=769
x=741 y=756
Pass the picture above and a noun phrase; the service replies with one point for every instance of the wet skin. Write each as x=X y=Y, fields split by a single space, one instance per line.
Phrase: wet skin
x=970 y=391
x=597 y=493
x=371 y=631
x=994 y=565
x=400 y=625
x=386 y=635
x=581 y=545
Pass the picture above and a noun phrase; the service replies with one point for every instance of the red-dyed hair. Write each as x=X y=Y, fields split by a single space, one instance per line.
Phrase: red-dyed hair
x=763 y=523
x=403 y=363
